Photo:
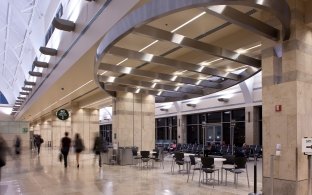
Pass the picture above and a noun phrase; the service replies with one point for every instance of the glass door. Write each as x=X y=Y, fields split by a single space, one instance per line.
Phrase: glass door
x=213 y=133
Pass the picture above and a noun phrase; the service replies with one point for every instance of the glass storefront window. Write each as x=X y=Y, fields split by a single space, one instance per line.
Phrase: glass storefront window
x=192 y=119
x=226 y=116
x=239 y=134
x=214 y=117
x=238 y=115
x=161 y=122
x=192 y=134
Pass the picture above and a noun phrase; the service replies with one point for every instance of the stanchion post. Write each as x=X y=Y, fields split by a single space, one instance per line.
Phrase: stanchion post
x=272 y=174
x=255 y=175
x=309 y=174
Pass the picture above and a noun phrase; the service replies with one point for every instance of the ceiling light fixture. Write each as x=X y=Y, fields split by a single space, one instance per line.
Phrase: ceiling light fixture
x=103 y=101
x=206 y=63
x=187 y=22
x=164 y=109
x=148 y=45
x=76 y=89
x=122 y=61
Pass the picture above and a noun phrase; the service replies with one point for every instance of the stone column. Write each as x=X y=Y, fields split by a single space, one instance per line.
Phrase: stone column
x=59 y=128
x=252 y=126
x=86 y=123
x=181 y=129
x=134 y=120
x=287 y=81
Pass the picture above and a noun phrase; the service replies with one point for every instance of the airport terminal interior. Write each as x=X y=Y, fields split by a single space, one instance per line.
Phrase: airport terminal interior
x=172 y=97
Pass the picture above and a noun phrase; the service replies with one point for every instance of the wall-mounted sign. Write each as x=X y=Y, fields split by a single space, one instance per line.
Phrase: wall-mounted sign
x=25 y=130
x=62 y=114
x=307 y=146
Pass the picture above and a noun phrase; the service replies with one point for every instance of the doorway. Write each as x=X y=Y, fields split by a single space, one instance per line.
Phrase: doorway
x=213 y=133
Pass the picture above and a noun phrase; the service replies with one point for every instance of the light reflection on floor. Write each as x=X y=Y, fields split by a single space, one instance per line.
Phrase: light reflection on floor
x=33 y=175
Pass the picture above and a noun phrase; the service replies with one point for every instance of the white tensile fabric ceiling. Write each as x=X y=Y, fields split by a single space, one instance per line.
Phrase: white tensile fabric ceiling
x=19 y=43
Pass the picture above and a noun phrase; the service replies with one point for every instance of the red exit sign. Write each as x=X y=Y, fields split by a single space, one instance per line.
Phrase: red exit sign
x=278 y=108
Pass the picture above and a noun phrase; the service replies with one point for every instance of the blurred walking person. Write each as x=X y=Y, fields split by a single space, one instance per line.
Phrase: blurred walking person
x=18 y=145
x=98 y=148
x=79 y=147
x=38 y=142
x=4 y=150
x=65 y=146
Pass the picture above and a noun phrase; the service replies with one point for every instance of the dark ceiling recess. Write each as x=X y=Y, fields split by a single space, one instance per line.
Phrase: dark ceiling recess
x=64 y=25
x=48 y=51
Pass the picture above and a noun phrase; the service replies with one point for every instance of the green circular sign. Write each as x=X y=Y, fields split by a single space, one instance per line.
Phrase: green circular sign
x=62 y=114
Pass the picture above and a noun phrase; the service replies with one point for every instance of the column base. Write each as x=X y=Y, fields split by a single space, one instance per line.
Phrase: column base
x=285 y=187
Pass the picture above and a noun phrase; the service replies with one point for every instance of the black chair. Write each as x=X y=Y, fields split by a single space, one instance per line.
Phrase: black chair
x=145 y=157
x=240 y=167
x=192 y=163
x=208 y=168
x=135 y=156
x=227 y=165
x=159 y=157
x=179 y=160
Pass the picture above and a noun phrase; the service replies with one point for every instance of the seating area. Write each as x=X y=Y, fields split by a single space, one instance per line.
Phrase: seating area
x=250 y=151
x=209 y=170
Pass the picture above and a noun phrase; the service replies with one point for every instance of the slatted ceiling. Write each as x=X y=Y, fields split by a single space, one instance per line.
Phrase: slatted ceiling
x=112 y=59
x=202 y=25
x=226 y=38
x=174 y=20
x=160 y=47
x=194 y=56
x=177 y=53
x=134 y=42
x=159 y=68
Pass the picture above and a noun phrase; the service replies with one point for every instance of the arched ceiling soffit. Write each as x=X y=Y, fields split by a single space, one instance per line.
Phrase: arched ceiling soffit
x=139 y=55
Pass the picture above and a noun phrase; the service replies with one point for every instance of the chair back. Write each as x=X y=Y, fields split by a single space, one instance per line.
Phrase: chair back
x=134 y=152
x=230 y=160
x=192 y=160
x=145 y=154
x=179 y=156
x=207 y=162
x=240 y=162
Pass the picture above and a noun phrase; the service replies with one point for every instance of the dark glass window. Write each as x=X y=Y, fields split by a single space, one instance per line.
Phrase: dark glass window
x=161 y=122
x=174 y=133
x=192 y=119
x=202 y=118
x=239 y=134
x=226 y=116
x=161 y=133
x=238 y=115
x=226 y=133
x=166 y=128
x=174 y=121
x=192 y=134
x=214 y=117
x=106 y=132
x=200 y=134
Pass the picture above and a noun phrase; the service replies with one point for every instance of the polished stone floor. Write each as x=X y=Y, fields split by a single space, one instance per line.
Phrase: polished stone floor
x=33 y=175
